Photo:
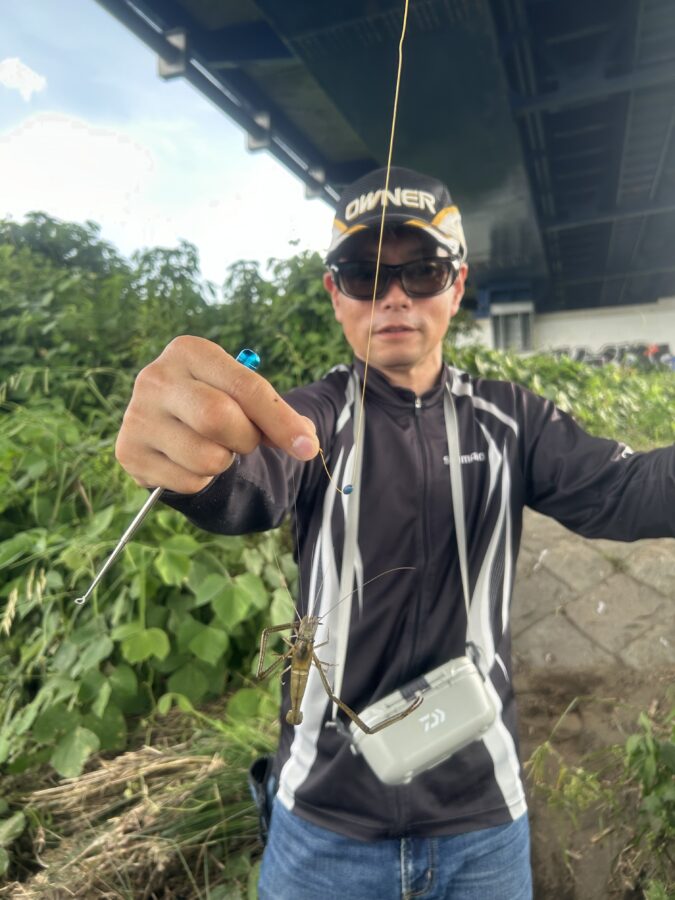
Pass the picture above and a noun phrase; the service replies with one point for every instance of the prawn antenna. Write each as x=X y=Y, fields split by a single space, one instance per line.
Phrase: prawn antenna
x=370 y=581
x=284 y=583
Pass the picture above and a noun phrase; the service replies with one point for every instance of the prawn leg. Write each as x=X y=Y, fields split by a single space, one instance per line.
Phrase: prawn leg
x=273 y=666
x=350 y=712
x=264 y=637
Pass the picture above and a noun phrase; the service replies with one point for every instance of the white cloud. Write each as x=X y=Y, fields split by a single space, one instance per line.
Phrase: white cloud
x=17 y=76
x=73 y=170
x=155 y=183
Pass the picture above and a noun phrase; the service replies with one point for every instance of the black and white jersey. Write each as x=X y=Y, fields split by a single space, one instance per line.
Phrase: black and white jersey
x=516 y=449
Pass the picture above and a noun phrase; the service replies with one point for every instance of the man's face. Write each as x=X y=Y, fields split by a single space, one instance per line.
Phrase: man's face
x=407 y=334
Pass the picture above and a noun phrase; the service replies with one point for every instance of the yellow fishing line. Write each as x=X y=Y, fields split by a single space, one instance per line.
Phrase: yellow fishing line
x=348 y=487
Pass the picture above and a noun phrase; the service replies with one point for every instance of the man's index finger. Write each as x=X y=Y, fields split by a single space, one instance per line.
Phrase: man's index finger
x=258 y=399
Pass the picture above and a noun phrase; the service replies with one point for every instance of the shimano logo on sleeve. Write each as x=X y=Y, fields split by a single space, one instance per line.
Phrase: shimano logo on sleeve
x=466 y=458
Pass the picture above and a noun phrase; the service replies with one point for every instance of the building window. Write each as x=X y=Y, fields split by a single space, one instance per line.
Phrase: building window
x=512 y=325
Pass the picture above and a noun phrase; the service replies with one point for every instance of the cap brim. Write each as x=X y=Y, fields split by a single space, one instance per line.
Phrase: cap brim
x=374 y=222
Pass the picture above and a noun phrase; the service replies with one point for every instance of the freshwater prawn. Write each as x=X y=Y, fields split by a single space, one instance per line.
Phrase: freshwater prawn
x=302 y=656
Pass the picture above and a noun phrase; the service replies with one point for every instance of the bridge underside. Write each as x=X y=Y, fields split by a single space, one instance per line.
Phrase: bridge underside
x=552 y=122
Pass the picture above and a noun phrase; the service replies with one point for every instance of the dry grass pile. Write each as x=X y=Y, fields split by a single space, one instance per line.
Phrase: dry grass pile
x=170 y=823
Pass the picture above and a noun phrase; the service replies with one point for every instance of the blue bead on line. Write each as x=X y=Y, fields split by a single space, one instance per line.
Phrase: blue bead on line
x=249 y=358
x=347 y=489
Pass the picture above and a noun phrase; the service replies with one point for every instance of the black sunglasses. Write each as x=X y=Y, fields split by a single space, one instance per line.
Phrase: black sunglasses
x=418 y=278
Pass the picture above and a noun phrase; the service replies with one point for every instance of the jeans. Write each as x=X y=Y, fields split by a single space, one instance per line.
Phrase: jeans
x=305 y=862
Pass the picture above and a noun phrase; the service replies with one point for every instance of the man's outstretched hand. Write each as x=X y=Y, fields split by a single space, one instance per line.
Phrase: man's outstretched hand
x=193 y=408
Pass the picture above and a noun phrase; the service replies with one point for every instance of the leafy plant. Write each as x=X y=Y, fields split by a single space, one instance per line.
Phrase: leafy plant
x=649 y=768
x=632 y=786
x=631 y=405
x=184 y=611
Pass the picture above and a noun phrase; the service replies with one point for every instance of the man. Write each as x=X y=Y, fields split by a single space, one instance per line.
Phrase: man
x=460 y=829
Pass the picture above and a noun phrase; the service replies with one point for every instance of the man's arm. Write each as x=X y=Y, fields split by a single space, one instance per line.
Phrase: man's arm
x=595 y=487
x=254 y=494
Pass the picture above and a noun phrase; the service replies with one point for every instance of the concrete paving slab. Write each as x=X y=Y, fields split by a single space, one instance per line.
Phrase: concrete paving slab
x=538 y=595
x=618 y=550
x=617 y=611
x=540 y=531
x=654 y=648
x=654 y=564
x=526 y=563
x=554 y=642
x=575 y=562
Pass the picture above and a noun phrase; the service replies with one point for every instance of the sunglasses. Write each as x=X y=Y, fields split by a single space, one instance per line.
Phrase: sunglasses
x=418 y=278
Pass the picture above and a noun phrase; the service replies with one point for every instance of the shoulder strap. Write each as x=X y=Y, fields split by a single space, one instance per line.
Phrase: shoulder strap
x=354 y=498
x=352 y=507
x=352 y=517
x=457 y=489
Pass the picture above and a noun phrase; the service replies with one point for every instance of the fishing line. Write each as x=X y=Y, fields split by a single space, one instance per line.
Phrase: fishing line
x=348 y=488
x=297 y=541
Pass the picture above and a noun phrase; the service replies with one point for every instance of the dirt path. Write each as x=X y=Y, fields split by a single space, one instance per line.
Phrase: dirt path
x=595 y=621
x=582 y=861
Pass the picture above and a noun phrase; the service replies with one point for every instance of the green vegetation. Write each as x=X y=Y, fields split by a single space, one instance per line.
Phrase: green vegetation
x=627 y=789
x=176 y=814
x=177 y=620
x=631 y=405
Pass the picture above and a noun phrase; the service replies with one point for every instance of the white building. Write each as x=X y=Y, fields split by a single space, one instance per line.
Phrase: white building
x=609 y=332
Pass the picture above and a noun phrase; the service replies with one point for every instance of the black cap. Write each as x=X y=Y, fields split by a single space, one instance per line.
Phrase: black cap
x=412 y=199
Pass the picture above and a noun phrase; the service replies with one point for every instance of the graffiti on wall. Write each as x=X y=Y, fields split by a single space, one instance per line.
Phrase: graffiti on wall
x=628 y=353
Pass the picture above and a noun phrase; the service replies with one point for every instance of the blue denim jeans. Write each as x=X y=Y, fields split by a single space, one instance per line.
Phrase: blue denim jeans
x=305 y=862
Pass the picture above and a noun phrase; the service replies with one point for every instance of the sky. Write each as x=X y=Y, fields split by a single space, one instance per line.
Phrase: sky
x=88 y=131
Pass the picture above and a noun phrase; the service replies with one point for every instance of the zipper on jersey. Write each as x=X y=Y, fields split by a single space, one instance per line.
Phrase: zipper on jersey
x=400 y=796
